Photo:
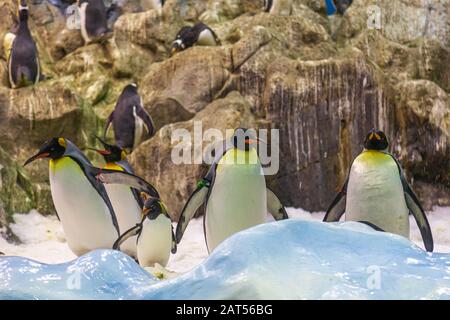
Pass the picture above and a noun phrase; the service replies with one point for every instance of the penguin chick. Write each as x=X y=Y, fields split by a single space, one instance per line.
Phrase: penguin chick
x=155 y=237
x=200 y=34
x=376 y=192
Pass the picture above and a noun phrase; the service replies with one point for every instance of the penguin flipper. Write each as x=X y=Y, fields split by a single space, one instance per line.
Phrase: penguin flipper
x=275 y=207
x=415 y=208
x=108 y=123
x=143 y=114
x=126 y=235
x=174 y=243
x=417 y=211
x=337 y=207
x=125 y=178
x=197 y=198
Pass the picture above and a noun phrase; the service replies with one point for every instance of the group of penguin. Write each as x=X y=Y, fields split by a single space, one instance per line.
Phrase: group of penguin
x=111 y=207
x=23 y=58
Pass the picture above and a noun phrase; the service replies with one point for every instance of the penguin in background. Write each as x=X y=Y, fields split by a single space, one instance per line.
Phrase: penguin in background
x=233 y=192
x=376 y=193
x=93 y=20
x=153 y=235
x=337 y=6
x=126 y=201
x=23 y=56
x=278 y=7
x=199 y=34
x=131 y=122
x=80 y=198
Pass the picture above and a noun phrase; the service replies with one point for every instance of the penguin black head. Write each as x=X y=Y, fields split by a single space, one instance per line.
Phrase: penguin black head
x=245 y=139
x=131 y=88
x=23 y=10
x=153 y=207
x=111 y=153
x=376 y=140
x=53 y=149
x=179 y=44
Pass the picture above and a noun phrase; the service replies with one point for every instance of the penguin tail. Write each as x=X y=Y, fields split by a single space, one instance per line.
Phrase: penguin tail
x=23 y=75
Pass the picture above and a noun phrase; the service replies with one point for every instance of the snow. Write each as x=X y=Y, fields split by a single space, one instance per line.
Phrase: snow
x=290 y=259
x=43 y=238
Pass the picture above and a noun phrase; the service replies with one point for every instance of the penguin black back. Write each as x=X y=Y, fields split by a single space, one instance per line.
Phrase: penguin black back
x=95 y=17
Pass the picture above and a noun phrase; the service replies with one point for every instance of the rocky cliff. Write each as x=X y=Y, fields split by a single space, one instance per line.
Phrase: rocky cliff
x=322 y=81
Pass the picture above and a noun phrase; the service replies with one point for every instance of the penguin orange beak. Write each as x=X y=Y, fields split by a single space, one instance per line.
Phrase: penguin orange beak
x=254 y=141
x=102 y=152
x=36 y=156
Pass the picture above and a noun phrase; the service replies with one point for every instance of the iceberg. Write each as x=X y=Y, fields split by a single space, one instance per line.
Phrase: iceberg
x=290 y=259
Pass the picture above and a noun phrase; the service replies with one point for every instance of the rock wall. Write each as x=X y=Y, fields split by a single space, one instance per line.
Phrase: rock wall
x=323 y=82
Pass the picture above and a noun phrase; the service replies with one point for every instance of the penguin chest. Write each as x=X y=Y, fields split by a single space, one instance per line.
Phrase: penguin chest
x=155 y=241
x=206 y=38
x=375 y=193
x=138 y=129
x=237 y=200
x=85 y=217
x=127 y=211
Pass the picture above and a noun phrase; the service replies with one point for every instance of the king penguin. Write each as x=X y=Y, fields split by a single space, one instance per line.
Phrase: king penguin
x=377 y=193
x=126 y=202
x=23 y=58
x=200 y=34
x=153 y=235
x=93 y=20
x=80 y=198
x=278 y=7
x=129 y=120
x=233 y=191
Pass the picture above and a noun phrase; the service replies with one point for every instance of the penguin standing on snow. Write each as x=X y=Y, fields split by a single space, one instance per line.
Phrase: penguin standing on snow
x=233 y=191
x=126 y=201
x=80 y=198
x=377 y=193
x=130 y=120
x=200 y=34
x=93 y=20
x=278 y=7
x=23 y=58
x=153 y=235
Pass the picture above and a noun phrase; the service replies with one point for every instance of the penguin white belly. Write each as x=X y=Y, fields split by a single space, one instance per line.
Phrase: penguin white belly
x=138 y=129
x=85 y=217
x=155 y=242
x=375 y=193
x=206 y=38
x=127 y=211
x=237 y=200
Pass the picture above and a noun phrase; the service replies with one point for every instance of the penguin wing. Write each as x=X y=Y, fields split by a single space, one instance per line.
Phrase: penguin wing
x=337 y=207
x=174 y=243
x=108 y=123
x=125 y=178
x=275 y=207
x=126 y=235
x=197 y=198
x=414 y=206
x=143 y=114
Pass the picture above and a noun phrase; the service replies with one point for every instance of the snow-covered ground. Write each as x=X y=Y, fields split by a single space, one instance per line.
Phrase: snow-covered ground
x=43 y=238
